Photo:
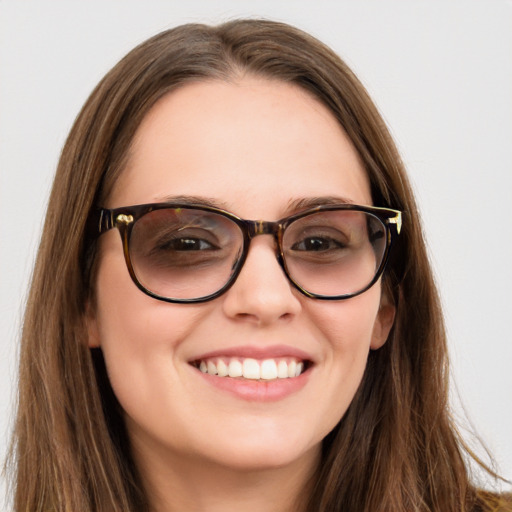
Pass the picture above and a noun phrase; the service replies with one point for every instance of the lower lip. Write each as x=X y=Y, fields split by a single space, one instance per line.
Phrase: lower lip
x=258 y=390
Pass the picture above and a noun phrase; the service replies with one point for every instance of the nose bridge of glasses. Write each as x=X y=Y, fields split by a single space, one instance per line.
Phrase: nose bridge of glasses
x=261 y=227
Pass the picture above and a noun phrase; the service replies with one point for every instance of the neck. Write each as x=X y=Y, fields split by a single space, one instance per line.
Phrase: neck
x=184 y=484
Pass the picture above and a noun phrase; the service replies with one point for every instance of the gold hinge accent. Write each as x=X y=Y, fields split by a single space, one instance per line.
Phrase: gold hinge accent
x=124 y=219
x=397 y=219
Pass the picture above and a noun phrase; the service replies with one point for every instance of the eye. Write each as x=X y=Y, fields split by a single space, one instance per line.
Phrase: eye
x=183 y=239
x=186 y=244
x=183 y=250
x=317 y=243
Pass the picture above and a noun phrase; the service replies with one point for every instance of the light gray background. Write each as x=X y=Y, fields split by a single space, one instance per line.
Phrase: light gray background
x=441 y=74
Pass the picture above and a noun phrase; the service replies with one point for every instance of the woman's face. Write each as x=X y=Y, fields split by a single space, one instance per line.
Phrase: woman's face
x=256 y=148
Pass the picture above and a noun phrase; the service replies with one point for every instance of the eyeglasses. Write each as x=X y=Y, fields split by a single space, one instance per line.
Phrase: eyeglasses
x=194 y=253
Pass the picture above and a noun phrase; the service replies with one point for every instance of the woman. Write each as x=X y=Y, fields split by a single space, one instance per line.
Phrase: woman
x=187 y=359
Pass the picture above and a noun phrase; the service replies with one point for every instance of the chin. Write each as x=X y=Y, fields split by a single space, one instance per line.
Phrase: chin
x=253 y=452
x=258 y=459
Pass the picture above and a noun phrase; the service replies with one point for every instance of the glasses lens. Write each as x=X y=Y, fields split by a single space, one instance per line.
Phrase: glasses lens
x=334 y=253
x=184 y=253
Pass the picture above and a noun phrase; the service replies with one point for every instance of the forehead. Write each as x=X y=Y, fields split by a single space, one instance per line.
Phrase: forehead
x=250 y=143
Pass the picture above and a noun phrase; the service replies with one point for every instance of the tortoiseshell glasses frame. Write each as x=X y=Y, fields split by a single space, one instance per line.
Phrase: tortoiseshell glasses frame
x=388 y=224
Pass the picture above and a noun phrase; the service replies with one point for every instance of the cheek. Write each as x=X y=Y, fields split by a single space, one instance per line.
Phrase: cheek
x=348 y=325
x=346 y=328
x=130 y=320
x=141 y=338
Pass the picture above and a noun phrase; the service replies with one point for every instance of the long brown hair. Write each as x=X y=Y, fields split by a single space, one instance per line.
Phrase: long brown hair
x=396 y=448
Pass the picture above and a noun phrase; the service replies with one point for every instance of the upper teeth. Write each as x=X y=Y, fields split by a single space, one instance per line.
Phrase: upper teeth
x=248 y=368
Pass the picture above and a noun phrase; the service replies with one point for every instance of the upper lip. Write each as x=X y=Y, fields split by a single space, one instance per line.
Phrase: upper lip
x=256 y=352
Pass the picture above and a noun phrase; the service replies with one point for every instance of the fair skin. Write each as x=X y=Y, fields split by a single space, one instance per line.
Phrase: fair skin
x=254 y=147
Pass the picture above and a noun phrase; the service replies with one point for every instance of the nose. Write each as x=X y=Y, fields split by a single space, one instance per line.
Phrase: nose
x=262 y=293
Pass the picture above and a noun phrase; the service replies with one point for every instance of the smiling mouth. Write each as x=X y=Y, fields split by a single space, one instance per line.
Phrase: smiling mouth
x=253 y=369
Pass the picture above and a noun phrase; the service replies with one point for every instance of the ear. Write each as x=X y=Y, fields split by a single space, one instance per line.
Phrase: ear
x=91 y=324
x=383 y=323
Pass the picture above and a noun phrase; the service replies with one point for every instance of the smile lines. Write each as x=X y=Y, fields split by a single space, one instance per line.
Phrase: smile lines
x=254 y=369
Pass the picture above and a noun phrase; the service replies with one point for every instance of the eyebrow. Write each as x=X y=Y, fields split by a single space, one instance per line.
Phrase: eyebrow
x=293 y=206
x=187 y=200
x=305 y=203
